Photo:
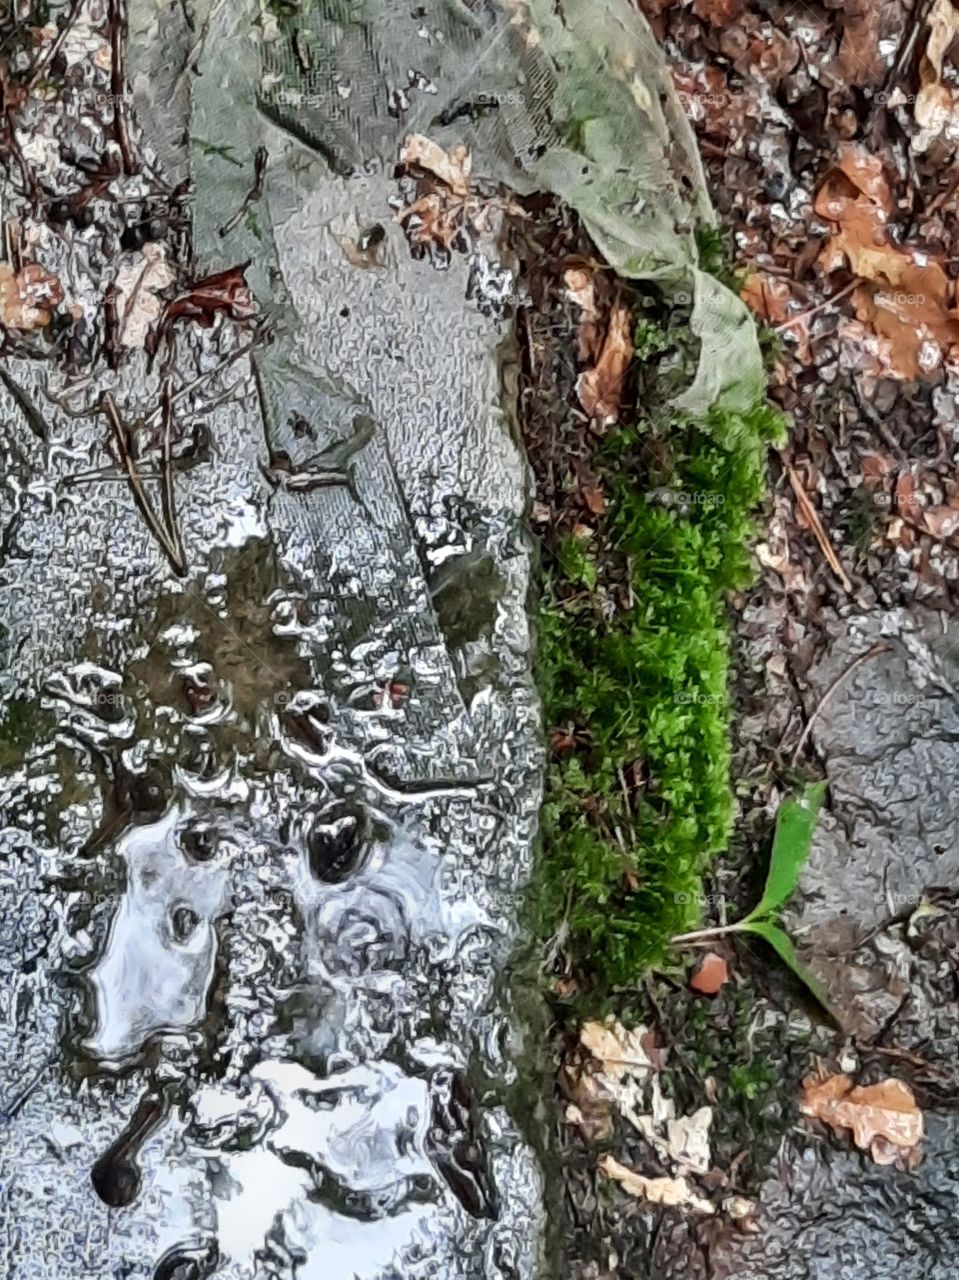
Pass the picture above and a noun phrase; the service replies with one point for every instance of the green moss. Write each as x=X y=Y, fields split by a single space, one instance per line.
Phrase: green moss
x=634 y=669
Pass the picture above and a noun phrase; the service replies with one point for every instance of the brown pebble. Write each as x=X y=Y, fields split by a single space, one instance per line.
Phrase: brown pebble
x=709 y=975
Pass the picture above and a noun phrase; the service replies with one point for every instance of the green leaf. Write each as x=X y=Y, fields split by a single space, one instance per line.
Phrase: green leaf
x=795 y=824
x=781 y=943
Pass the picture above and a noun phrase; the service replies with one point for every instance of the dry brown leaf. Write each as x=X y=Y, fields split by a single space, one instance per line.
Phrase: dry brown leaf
x=718 y=13
x=883 y=1118
x=855 y=194
x=907 y=503
x=613 y=1045
x=669 y=1191
x=767 y=296
x=451 y=167
x=860 y=60
x=937 y=104
x=905 y=297
x=908 y=301
x=600 y=389
x=594 y=498
x=581 y=289
x=876 y=466
x=432 y=220
x=941 y=521
x=27 y=297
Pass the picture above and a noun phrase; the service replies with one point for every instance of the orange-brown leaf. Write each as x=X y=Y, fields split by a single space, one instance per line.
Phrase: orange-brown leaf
x=601 y=388
x=883 y=1118
x=27 y=297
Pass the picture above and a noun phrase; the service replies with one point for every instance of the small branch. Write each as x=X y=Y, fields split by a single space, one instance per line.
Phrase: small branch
x=57 y=45
x=816 y=528
x=833 y=689
x=255 y=193
x=26 y=406
x=820 y=306
x=118 y=86
x=166 y=473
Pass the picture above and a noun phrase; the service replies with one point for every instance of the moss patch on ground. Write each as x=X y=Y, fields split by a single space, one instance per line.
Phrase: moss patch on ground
x=634 y=671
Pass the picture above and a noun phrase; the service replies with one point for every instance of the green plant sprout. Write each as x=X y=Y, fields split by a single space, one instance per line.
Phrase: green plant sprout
x=795 y=823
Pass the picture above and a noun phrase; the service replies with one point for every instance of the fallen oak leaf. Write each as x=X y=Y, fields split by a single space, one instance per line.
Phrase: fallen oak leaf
x=910 y=508
x=860 y=59
x=718 y=13
x=432 y=220
x=666 y=1191
x=612 y=1045
x=904 y=295
x=451 y=167
x=883 y=1118
x=581 y=289
x=908 y=304
x=767 y=296
x=594 y=498
x=942 y=522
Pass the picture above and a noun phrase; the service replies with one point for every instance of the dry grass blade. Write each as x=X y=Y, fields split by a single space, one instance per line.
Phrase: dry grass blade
x=170 y=544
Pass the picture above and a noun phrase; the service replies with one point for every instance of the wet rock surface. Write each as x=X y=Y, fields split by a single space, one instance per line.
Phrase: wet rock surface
x=265 y=820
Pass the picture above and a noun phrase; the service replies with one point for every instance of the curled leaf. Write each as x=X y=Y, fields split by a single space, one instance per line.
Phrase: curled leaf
x=671 y=1191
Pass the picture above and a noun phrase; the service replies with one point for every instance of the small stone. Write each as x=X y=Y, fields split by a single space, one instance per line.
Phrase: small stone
x=709 y=975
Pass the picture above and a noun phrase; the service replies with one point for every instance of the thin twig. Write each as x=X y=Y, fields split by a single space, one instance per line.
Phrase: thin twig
x=30 y=183
x=820 y=306
x=904 y=54
x=830 y=693
x=118 y=86
x=166 y=472
x=26 y=406
x=816 y=527
x=196 y=52
x=255 y=193
x=46 y=58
